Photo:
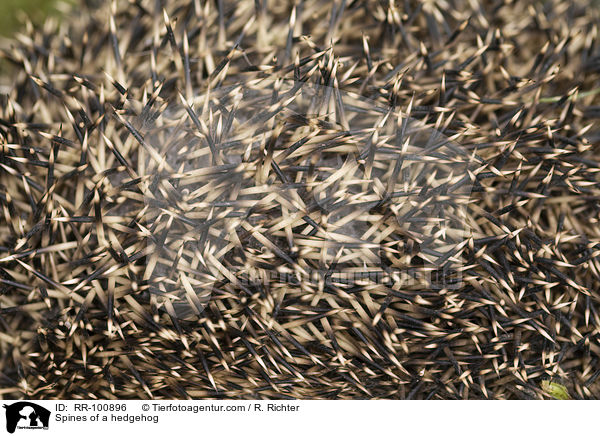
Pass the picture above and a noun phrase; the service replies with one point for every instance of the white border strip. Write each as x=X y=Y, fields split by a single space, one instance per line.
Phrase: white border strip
x=302 y=417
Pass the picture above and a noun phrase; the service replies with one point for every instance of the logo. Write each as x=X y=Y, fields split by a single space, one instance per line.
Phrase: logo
x=283 y=183
x=26 y=415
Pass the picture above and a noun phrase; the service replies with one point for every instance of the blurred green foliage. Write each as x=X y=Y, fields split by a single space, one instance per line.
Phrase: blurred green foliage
x=11 y=13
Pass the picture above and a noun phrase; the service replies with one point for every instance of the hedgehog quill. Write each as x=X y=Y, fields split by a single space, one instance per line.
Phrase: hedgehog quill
x=301 y=200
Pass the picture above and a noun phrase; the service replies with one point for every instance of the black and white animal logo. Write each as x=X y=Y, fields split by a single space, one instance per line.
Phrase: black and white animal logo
x=26 y=415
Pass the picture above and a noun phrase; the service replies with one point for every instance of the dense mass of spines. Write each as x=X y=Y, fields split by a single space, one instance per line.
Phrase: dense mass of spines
x=514 y=84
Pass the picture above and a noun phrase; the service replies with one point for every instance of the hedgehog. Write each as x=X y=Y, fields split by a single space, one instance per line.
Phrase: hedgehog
x=298 y=199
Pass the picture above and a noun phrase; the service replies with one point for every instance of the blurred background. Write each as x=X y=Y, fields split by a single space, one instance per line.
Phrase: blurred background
x=13 y=13
x=13 y=16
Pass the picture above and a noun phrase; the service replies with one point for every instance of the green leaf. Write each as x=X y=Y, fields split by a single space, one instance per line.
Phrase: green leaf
x=555 y=390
